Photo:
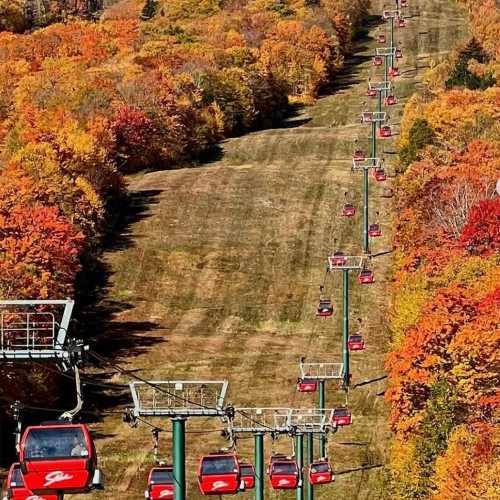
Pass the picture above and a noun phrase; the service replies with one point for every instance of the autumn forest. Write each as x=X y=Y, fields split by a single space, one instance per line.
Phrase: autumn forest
x=90 y=100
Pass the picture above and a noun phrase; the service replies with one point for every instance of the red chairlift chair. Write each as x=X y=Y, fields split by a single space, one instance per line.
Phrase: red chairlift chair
x=160 y=483
x=283 y=473
x=393 y=71
x=378 y=61
x=371 y=93
x=398 y=54
x=359 y=155
x=366 y=277
x=401 y=23
x=320 y=472
x=307 y=385
x=59 y=458
x=337 y=259
x=15 y=489
x=341 y=416
x=390 y=100
x=356 y=342
x=385 y=132
x=219 y=474
x=325 y=308
x=404 y=3
x=374 y=231
x=247 y=474
x=379 y=174
x=348 y=210
x=381 y=38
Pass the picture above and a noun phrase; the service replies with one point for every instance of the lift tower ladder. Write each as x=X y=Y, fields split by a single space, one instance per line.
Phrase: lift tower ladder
x=31 y=330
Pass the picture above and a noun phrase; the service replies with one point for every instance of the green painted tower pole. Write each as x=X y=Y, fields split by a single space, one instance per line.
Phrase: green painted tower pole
x=259 y=465
x=386 y=76
x=299 y=451
x=345 y=325
x=179 y=456
x=310 y=458
x=366 y=244
x=322 y=441
x=379 y=104
x=392 y=42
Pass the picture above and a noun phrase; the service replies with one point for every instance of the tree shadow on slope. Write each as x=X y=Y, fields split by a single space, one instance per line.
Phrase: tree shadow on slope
x=96 y=315
x=352 y=69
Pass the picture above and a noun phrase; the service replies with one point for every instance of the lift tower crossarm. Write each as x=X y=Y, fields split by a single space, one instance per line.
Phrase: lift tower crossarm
x=179 y=398
x=28 y=333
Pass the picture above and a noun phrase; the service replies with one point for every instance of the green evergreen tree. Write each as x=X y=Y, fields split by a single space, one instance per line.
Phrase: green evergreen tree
x=421 y=135
x=442 y=414
x=462 y=77
x=149 y=10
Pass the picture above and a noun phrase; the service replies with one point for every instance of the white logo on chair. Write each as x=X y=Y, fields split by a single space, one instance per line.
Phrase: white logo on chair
x=56 y=477
x=282 y=482
x=34 y=497
x=219 y=484
x=165 y=493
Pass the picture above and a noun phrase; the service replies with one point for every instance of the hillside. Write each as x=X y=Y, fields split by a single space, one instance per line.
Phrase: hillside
x=216 y=272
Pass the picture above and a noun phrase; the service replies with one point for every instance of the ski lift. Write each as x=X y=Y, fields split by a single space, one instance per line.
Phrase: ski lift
x=378 y=61
x=381 y=38
x=219 y=474
x=374 y=230
x=325 y=308
x=356 y=342
x=348 y=210
x=366 y=277
x=160 y=483
x=247 y=473
x=379 y=174
x=371 y=93
x=16 y=489
x=306 y=385
x=398 y=54
x=359 y=155
x=283 y=473
x=385 y=132
x=60 y=458
x=390 y=100
x=393 y=71
x=341 y=416
x=401 y=23
x=320 y=472
x=337 y=259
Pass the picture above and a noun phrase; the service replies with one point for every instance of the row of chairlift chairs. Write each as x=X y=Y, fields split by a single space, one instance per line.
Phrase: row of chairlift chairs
x=60 y=458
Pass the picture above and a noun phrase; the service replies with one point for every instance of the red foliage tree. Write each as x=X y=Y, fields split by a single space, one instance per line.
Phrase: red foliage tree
x=481 y=233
